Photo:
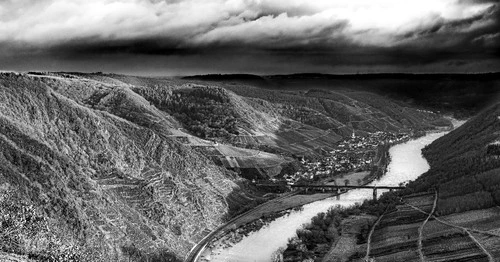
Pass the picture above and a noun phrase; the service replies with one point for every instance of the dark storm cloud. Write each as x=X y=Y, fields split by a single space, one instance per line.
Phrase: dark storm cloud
x=291 y=34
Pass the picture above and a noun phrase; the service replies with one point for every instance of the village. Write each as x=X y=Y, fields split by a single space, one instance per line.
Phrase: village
x=355 y=154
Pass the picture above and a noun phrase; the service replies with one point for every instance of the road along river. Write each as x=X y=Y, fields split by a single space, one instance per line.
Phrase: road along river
x=407 y=163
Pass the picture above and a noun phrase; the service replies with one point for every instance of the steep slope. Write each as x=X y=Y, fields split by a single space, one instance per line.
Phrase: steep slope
x=137 y=167
x=109 y=182
x=450 y=213
x=343 y=111
x=296 y=122
x=465 y=176
x=463 y=153
x=463 y=95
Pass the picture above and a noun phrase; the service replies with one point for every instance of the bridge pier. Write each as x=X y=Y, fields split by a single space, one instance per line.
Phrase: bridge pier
x=374 y=194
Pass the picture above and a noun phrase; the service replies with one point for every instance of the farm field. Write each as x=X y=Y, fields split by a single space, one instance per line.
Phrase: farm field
x=422 y=201
x=242 y=158
x=483 y=219
x=490 y=243
x=410 y=234
x=455 y=247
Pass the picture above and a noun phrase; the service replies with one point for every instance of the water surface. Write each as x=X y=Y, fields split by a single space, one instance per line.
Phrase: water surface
x=407 y=163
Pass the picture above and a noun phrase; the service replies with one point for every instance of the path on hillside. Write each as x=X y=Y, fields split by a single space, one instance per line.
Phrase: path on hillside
x=421 y=228
x=465 y=229
x=368 y=242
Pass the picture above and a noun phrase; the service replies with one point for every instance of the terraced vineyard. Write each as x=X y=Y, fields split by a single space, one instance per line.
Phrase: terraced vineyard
x=151 y=165
x=413 y=233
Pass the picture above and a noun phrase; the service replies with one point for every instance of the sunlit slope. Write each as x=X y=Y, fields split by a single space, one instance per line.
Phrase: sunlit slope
x=151 y=104
x=118 y=161
x=297 y=122
x=106 y=179
x=344 y=111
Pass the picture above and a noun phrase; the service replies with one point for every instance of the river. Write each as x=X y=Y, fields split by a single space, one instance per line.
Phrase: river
x=407 y=163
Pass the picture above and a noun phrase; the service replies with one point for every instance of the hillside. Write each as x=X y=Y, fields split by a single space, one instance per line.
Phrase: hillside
x=451 y=212
x=464 y=168
x=117 y=167
x=462 y=95
x=105 y=181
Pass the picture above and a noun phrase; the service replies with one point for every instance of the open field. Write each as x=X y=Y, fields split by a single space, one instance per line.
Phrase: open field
x=242 y=158
x=483 y=219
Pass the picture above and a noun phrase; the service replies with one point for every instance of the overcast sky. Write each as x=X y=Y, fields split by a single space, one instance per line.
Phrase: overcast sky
x=175 y=37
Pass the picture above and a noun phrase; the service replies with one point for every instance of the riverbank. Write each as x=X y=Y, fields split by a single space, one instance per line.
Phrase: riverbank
x=285 y=204
x=406 y=164
x=262 y=215
x=332 y=236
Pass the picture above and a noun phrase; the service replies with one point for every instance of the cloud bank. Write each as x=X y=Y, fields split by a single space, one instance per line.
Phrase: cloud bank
x=316 y=34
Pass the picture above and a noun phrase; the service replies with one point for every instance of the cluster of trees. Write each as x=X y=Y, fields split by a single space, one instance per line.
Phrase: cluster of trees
x=493 y=149
x=135 y=254
x=205 y=111
x=157 y=94
x=325 y=228
x=469 y=192
x=387 y=202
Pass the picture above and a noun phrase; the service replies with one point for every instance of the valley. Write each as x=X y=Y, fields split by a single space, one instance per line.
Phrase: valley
x=447 y=214
x=139 y=168
x=249 y=131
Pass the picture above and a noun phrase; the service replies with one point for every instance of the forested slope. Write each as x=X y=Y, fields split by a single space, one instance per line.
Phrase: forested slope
x=117 y=167
x=109 y=185
x=464 y=167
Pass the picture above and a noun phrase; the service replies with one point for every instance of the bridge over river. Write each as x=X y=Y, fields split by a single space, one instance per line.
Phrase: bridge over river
x=307 y=188
x=338 y=188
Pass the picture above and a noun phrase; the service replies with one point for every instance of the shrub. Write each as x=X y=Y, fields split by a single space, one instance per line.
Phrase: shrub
x=134 y=254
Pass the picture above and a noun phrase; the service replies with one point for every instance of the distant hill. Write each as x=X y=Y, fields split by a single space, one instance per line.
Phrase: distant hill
x=368 y=76
x=464 y=95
